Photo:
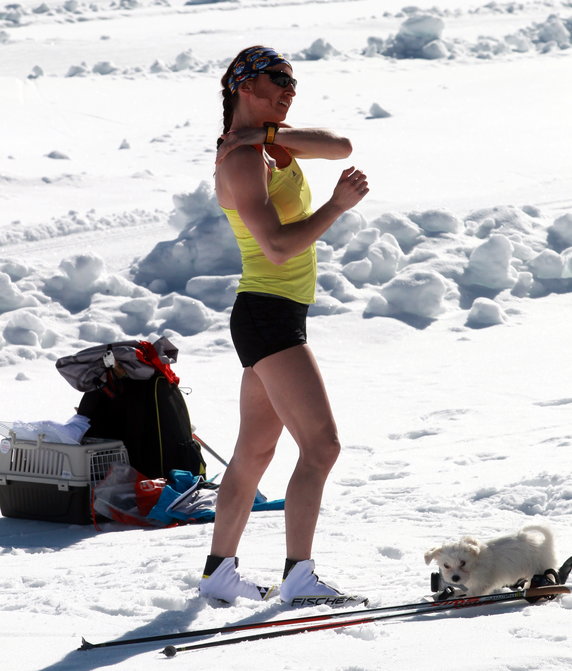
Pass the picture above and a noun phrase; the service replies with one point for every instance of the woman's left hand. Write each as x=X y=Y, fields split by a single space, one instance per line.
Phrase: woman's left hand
x=236 y=138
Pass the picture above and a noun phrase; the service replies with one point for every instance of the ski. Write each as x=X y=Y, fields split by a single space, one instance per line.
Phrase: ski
x=408 y=610
x=401 y=609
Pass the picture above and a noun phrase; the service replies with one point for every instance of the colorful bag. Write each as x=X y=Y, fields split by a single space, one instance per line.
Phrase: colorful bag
x=132 y=395
x=91 y=368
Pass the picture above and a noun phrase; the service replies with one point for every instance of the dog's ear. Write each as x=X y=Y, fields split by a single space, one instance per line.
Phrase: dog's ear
x=472 y=545
x=431 y=555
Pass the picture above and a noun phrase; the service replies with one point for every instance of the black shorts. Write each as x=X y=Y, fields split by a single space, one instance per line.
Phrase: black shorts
x=261 y=325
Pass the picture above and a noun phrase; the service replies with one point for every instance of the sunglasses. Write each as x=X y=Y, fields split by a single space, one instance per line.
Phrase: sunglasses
x=280 y=78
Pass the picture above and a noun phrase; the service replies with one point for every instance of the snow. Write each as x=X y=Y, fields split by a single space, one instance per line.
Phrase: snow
x=441 y=326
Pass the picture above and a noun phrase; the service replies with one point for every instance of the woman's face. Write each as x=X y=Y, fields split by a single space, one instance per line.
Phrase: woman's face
x=271 y=92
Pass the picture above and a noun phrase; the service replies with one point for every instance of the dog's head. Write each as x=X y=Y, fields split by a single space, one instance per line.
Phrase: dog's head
x=456 y=560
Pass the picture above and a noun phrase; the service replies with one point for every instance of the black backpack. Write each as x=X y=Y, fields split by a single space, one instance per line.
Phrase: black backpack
x=132 y=395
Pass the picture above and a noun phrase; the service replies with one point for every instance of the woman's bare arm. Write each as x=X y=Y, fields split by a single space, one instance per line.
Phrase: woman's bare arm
x=300 y=142
x=243 y=180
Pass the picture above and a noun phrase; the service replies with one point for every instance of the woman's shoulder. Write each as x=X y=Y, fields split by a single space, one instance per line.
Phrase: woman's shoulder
x=246 y=153
x=240 y=160
x=244 y=169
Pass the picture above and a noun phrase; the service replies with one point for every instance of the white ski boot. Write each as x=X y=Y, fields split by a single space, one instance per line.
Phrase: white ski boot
x=222 y=581
x=302 y=587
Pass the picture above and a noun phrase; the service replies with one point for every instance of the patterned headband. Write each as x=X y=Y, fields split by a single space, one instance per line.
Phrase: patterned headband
x=251 y=62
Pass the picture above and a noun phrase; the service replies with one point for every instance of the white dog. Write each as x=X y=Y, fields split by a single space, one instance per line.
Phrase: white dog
x=481 y=567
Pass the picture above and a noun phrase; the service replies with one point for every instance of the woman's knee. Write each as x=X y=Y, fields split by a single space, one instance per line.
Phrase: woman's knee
x=252 y=455
x=321 y=454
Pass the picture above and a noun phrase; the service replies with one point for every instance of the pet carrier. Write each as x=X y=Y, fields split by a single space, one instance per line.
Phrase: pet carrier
x=53 y=481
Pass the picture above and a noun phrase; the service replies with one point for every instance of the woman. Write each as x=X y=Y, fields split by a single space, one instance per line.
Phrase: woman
x=264 y=194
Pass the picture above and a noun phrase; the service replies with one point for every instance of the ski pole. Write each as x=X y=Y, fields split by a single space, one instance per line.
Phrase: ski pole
x=415 y=609
x=209 y=449
x=429 y=606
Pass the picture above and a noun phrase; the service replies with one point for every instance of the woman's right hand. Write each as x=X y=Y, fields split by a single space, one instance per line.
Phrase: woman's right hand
x=237 y=138
x=350 y=189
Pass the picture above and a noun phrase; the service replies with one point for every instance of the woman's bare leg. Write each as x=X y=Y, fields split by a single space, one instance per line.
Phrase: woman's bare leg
x=295 y=388
x=259 y=431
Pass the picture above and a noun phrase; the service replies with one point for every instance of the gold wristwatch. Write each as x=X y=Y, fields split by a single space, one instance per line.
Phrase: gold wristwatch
x=271 y=130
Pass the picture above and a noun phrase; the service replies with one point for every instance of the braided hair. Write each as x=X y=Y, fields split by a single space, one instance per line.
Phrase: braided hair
x=229 y=99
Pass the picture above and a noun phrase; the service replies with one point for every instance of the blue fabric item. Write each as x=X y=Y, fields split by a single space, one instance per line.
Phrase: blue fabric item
x=181 y=482
x=277 y=504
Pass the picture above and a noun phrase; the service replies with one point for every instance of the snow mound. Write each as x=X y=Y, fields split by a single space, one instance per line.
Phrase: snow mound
x=404 y=230
x=58 y=155
x=560 y=233
x=554 y=30
x=485 y=312
x=187 y=316
x=417 y=34
x=548 y=265
x=205 y=246
x=184 y=62
x=11 y=296
x=376 y=111
x=105 y=68
x=139 y=313
x=415 y=292
x=421 y=36
x=318 y=50
x=435 y=222
x=26 y=328
x=490 y=265
x=80 y=278
x=344 y=229
x=217 y=292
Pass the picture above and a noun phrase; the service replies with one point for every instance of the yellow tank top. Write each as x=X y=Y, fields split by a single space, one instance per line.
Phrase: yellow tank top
x=295 y=279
